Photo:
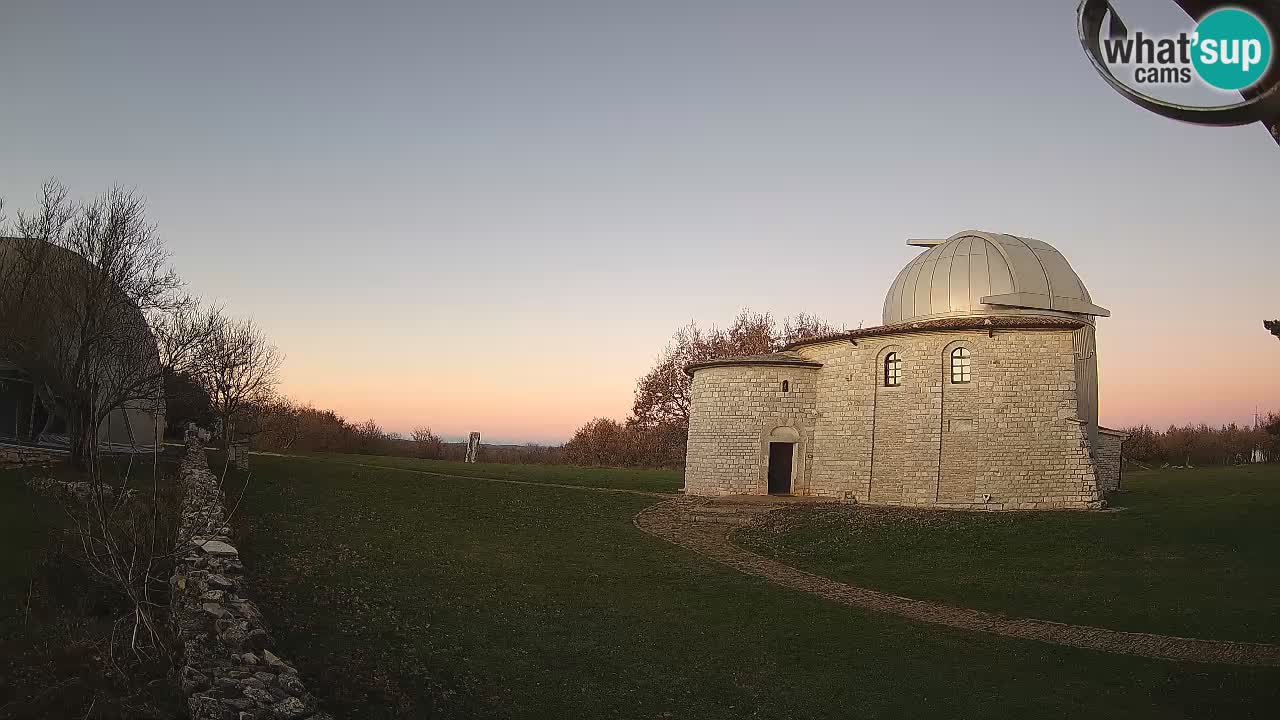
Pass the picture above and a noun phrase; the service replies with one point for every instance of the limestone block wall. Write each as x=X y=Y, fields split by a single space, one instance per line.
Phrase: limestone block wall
x=1108 y=458
x=733 y=411
x=12 y=456
x=1009 y=439
x=842 y=422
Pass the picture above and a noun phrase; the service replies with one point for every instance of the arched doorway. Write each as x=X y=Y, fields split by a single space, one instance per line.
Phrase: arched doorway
x=782 y=445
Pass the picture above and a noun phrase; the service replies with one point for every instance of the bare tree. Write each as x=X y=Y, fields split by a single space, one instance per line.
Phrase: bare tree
x=238 y=369
x=370 y=438
x=90 y=311
x=662 y=394
x=280 y=423
x=86 y=282
x=427 y=443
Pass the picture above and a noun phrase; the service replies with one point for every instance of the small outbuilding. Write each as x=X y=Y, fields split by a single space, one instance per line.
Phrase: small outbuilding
x=979 y=391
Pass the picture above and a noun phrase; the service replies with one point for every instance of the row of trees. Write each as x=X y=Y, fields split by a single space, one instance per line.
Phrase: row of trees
x=1192 y=445
x=1195 y=445
x=654 y=435
x=92 y=312
x=283 y=425
x=657 y=431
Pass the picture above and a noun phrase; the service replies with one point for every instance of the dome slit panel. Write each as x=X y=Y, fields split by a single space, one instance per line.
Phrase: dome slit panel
x=979 y=275
x=924 y=286
x=940 y=287
x=1062 y=278
x=1027 y=271
x=1001 y=275
x=958 y=299
x=908 y=307
x=893 y=301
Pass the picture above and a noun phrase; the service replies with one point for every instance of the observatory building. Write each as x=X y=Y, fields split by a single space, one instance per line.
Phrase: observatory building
x=979 y=391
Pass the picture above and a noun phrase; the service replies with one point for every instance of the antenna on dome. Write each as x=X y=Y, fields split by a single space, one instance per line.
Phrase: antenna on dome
x=923 y=242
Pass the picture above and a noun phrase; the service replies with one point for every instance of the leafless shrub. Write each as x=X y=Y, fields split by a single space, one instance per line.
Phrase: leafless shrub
x=238 y=368
x=429 y=445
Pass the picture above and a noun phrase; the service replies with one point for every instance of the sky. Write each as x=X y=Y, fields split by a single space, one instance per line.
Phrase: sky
x=492 y=215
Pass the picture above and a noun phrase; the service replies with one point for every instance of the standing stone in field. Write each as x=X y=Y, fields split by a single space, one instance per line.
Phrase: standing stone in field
x=473 y=445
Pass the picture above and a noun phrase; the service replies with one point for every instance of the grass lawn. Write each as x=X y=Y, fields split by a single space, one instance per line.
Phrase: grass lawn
x=1193 y=553
x=27 y=523
x=406 y=595
x=665 y=481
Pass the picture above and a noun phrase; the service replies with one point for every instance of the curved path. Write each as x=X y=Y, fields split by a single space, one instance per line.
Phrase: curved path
x=675 y=521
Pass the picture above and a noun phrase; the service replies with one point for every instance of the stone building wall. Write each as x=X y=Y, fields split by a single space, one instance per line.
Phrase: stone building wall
x=1009 y=439
x=12 y=456
x=1110 y=443
x=733 y=412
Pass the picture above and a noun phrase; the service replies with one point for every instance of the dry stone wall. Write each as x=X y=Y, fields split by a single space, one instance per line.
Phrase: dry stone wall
x=12 y=456
x=229 y=671
x=1009 y=439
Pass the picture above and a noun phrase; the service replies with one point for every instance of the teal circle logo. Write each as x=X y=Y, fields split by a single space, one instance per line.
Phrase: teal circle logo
x=1232 y=49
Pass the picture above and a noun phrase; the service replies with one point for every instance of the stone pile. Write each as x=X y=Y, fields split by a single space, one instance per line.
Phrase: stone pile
x=80 y=490
x=229 y=671
x=12 y=456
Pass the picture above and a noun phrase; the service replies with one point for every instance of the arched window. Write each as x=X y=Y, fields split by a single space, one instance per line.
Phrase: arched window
x=961 y=365
x=786 y=386
x=892 y=370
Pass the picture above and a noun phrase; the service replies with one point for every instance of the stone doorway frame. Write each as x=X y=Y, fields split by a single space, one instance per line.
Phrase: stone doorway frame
x=782 y=432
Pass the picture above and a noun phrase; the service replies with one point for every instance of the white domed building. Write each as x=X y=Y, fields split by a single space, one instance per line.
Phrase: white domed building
x=980 y=391
x=30 y=417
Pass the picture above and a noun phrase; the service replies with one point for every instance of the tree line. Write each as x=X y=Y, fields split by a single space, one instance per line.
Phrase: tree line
x=654 y=435
x=283 y=425
x=1197 y=445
